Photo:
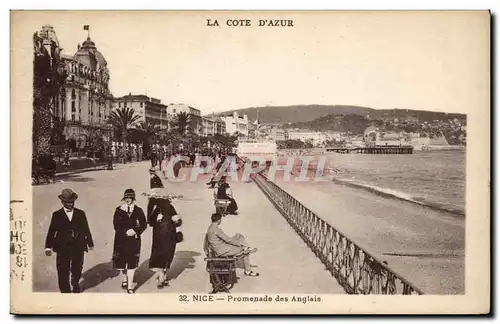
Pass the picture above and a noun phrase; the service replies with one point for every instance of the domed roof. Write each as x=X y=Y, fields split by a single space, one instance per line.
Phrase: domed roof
x=88 y=44
x=90 y=56
x=100 y=58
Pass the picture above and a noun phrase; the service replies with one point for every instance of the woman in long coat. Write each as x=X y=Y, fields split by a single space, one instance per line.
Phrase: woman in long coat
x=178 y=165
x=165 y=221
x=129 y=222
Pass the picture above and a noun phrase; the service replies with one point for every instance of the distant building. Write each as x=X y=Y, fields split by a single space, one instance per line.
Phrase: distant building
x=412 y=119
x=151 y=110
x=316 y=138
x=236 y=124
x=212 y=125
x=278 y=134
x=373 y=137
x=207 y=126
x=335 y=136
x=252 y=130
x=389 y=139
x=194 y=113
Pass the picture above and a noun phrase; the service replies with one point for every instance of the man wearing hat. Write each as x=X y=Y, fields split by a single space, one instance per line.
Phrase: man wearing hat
x=155 y=181
x=69 y=236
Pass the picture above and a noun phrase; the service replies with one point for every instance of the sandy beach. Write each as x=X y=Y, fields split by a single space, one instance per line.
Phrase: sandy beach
x=424 y=245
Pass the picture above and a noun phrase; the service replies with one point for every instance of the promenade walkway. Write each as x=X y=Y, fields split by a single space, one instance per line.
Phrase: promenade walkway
x=285 y=263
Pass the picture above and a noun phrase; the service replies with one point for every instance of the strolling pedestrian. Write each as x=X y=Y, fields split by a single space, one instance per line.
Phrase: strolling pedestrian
x=153 y=157
x=177 y=165
x=165 y=221
x=155 y=181
x=129 y=222
x=69 y=237
x=66 y=158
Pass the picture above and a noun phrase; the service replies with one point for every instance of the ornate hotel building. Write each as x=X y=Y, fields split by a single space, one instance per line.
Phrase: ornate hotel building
x=85 y=101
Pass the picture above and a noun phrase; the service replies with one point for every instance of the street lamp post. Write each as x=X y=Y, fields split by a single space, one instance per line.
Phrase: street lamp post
x=110 y=154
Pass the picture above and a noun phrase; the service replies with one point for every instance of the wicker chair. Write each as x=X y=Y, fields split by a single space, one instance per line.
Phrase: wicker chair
x=221 y=270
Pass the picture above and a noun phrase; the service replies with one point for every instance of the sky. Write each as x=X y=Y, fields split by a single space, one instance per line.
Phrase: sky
x=436 y=61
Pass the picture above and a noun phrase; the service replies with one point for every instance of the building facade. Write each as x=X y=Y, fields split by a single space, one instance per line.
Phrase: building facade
x=151 y=110
x=195 y=120
x=278 y=134
x=212 y=125
x=252 y=130
x=373 y=137
x=195 y=123
x=236 y=124
x=85 y=102
x=316 y=138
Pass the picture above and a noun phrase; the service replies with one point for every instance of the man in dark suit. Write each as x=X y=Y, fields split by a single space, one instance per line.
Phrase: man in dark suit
x=69 y=237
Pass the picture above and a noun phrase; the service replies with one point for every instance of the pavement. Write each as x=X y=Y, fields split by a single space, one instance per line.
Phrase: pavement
x=285 y=263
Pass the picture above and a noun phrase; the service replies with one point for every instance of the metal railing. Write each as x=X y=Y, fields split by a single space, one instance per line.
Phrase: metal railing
x=356 y=270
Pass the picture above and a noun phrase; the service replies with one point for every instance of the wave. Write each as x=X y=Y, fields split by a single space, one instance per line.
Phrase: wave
x=424 y=255
x=391 y=193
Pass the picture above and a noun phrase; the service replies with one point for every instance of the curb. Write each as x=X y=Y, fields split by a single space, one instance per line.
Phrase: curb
x=62 y=174
x=102 y=167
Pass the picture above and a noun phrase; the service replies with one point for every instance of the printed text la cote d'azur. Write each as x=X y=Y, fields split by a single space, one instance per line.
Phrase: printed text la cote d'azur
x=250 y=23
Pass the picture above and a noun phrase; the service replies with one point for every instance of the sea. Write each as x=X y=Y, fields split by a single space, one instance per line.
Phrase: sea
x=432 y=178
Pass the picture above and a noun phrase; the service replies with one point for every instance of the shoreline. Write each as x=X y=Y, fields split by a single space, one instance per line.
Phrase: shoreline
x=389 y=193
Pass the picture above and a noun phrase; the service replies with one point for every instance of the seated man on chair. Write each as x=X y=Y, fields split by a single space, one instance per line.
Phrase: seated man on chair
x=224 y=246
x=224 y=191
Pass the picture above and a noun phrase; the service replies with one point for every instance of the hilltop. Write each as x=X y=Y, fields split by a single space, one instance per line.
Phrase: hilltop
x=309 y=113
x=296 y=113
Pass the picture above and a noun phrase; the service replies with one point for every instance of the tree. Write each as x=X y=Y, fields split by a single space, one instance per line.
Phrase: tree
x=225 y=140
x=163 y=136
x=182 y=122
x=48 y=77
x=57 y=132
x=149 y=132
x=123 y=119
x=95 y=142
x=309 y=143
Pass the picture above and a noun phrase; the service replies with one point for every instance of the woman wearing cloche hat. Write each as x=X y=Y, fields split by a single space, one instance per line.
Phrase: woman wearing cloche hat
x=165 y=221
x=129 y=223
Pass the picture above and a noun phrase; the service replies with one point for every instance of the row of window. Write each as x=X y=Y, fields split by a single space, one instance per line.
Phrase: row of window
x=77 y=79
x=60 y=108
x=124 y=105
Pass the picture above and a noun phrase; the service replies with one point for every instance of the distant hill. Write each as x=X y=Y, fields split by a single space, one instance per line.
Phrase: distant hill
x=309 y=113
x=297 y=113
